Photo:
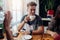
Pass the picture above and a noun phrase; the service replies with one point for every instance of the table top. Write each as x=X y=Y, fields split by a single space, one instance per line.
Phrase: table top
x=34 y=37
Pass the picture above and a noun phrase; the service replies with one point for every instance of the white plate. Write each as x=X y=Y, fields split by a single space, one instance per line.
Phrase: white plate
x=27 y=36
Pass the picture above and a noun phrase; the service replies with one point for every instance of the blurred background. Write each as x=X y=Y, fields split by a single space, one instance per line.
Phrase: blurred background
x=45 y=8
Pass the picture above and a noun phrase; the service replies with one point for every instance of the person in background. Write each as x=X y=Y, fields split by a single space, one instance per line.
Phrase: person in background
x=7 y=25
x=54 y=25
x=1 y=8
x=37 y=22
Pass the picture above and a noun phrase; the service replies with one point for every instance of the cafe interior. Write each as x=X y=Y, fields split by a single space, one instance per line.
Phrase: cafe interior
x=18 y=8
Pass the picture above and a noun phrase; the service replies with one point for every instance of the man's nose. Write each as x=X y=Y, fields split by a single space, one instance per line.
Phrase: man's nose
x=33 y=11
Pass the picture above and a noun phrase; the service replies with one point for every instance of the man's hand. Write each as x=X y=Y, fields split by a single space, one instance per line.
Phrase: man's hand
x=26 y=19
x=54 y=34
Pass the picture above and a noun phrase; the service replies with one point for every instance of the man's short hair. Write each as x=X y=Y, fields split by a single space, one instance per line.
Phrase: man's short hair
x=31 y=4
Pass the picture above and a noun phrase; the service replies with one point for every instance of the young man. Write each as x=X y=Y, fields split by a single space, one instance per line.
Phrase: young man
x=37 y=22
x=54 y=26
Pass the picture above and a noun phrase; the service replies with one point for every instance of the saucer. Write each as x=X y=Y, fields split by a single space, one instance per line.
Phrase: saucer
x=27 y=37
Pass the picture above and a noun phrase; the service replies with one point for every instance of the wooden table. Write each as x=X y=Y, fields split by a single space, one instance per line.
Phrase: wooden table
x=42 y=37
x=34 y=37
x=47 y=37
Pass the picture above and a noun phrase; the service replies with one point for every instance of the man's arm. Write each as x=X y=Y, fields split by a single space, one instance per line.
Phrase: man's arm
x=21 y=25
x=40 y=26
x=39 y=30
x=25 y=20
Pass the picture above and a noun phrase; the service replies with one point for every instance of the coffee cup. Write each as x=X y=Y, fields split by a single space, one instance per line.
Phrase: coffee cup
x=32 y=17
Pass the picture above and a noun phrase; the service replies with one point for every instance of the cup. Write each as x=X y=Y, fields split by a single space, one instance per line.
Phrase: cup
x=32 y=17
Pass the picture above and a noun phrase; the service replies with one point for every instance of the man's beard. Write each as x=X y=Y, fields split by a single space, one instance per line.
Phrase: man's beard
x=58 y=21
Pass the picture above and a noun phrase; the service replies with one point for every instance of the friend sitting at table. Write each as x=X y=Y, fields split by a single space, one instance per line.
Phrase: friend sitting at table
x=54 y=25
x=34 y=21
x=7 y=21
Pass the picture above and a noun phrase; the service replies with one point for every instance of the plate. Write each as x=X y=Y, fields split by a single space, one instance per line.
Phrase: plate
x=27 y=36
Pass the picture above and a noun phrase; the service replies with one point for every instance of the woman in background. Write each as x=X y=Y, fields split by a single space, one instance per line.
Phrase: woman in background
x=7 y=25
x=54 y=26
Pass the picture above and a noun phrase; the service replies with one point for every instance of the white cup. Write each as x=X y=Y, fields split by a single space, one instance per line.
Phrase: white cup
x=32 y=17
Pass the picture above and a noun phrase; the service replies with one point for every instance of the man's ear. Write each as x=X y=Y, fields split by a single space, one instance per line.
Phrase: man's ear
x=27 y=8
